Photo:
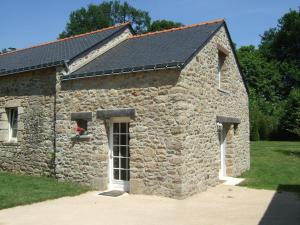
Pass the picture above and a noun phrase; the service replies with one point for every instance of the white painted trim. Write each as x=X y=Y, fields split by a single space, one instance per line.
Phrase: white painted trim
x=115 y=184
x=10 y=116
x=222 y=141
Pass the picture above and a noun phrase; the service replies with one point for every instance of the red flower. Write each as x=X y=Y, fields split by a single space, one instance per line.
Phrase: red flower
x=79 y=129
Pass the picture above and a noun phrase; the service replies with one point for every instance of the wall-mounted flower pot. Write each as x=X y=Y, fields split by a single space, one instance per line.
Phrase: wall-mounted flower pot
x=85 y=137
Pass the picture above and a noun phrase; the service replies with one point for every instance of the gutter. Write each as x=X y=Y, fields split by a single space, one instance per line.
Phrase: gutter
x=30 y=68
x=165 y=66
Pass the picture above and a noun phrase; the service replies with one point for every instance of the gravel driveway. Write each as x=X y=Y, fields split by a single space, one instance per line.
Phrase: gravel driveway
x=220 y=205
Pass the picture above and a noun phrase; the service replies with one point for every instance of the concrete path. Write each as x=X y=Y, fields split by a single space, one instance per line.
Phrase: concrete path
x=220 y=205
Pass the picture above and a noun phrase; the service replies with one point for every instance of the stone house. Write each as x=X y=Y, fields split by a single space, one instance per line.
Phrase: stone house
x=162 y=113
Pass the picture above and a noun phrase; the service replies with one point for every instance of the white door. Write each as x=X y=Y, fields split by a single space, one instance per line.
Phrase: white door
x=119 y=156
x=222 y=140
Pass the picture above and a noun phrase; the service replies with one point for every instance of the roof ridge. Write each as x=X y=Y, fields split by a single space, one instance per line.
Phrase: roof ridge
x=67 y=38
x=178 y=28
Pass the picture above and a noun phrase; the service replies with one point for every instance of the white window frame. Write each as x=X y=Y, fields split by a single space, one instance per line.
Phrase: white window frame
x=10 y=115
x=221 y=61
x=116 y=184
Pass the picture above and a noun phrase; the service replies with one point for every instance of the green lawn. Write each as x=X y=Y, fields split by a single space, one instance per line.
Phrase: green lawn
x=20 y=190
x=274 y=165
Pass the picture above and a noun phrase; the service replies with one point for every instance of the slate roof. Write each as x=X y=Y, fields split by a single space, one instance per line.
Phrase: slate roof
x=54 y=53
x=167 y=49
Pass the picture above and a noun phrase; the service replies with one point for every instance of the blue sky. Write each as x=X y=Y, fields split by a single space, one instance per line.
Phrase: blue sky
x=30 y=22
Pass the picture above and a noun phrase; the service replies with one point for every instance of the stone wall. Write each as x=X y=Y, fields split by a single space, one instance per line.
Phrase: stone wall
x=32 y=94
x=174 y=143
x=155 y=151
x=203 y=102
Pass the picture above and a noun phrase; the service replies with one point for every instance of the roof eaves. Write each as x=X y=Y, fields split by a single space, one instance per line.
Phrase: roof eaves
x=173 y=65
x=30 y=68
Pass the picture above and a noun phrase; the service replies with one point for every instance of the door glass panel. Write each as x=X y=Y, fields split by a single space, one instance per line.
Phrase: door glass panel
x=116 y=151
x=116 y=139
x=116 y=128
x=124 y=163
x=116 y=162
x=124 y=139
x=123 y=175
x=123 y=151
x=120 y=151
x=116 y=174
x=123 y=128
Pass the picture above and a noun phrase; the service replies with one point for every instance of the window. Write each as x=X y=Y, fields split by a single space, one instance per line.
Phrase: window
x=221 y=62
x=12 y=114
x=81 y=128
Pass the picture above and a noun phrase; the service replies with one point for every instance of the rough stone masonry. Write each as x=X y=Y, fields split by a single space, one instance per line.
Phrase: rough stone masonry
x=174 y=142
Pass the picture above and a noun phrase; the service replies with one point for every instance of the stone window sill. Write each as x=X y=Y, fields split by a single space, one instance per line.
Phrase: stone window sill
x=10 y=143
x=223 y=91
x=81 y=137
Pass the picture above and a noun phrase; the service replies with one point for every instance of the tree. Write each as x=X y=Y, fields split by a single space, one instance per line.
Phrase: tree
x=158 y=25
x=140 y=20
x=282 y=42
x=262 y=76
x=106 y=14
x=85 y=20
x=291 y=119
x=272 y=73
x=4 y=50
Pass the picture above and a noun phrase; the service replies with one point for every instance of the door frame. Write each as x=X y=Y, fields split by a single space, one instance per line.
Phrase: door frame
x=115 y=184
x=222 y=133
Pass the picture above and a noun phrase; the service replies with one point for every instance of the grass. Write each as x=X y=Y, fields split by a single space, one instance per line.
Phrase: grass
x=20 y=190
x=274 y=165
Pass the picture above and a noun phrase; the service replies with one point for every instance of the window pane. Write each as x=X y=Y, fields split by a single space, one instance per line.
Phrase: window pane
x=116 y=162
x=82 y=124
x=116 y=139
x=124 y=128
x=116 y=151
x=124 y=163
x=14 y=133
x=116 y=128
x=14 y=118
x=124 y=139
x=128 y=174
x=116 y=174
x=123 y=175
x=123 y=151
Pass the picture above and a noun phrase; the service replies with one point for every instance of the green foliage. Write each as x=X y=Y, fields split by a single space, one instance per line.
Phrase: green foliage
x=20 y=190
x=158 y=25
x=261 y=75
x=272 y=73
x=282 y=42
x=291 y=119
x=85 y=20
x=106 y=14
x=121 y=13
x=4 y=50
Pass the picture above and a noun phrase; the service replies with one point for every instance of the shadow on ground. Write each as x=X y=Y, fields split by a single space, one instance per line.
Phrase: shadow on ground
x=284 y=209
x=289 y=152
